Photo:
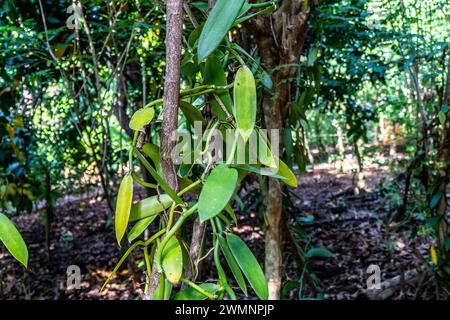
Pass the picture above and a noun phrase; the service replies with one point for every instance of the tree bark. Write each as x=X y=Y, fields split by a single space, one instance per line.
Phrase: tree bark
x=280 y=37
x=171 y=104
x=444 y=167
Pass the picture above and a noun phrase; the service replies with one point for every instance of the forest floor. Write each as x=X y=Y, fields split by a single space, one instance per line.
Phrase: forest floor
x=349 y=224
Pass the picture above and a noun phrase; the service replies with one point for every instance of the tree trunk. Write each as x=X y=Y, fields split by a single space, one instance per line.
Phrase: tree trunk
x=280 y=37
x=171 y=103
x=340 y=145
x=444 y=167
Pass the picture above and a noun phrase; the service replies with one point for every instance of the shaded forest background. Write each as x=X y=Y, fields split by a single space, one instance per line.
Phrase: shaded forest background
x=363 y=107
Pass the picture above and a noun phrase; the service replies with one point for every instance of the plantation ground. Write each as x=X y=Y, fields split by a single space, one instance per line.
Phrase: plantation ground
x=350 y=225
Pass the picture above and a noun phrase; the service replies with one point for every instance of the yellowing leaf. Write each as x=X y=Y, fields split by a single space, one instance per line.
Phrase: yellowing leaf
x=288 y=176
x=264 y=152
x=123 y=206
x=433 y=255
x=172 y=260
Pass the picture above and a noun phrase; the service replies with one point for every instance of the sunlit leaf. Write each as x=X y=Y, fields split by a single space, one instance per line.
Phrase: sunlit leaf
x=123 y=206
x=172 y=260
x=140 y=227
x=288 y=176
x=150 y=206
x=12 y=240
x=245 y=102
x=141 y=118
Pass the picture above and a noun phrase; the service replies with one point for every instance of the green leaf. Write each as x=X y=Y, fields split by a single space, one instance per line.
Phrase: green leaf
x=193 y=37
x=442 y=117
x=141 y=118
x=264 y=152
x=123 y=206
x=158 y=294
x=12 y=240
x=172 y=260
x=231 y=213
x=435 y=199
x=150 y=206
x=219 y=21
x=234 y=267
x=269 y=172
x=217 y=191
x=249 y=265
x=247 y=6
x=192 y=294
x=319 y=252
x=191 y=113
x=447 y=243
x=121 y=261
x=288 y=176
x=140 y=227
x=157 y=177
x=152 y=151
x=266 y=79
x=245 y=102
x=214 y=75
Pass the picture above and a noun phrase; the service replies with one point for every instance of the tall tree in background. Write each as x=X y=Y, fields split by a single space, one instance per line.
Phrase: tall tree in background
x=280 y=37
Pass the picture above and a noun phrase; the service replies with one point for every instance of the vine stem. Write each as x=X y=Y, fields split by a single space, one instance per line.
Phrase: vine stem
x=170 y=234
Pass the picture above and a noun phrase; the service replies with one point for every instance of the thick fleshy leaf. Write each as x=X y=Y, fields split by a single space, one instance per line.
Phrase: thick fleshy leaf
x=172 y=260
x=234 y=267
x=249 y=265
x=264 y=151
x=150 y=206
x=288 y=176
x=217 y=191
x=123 y=206
x=140 y=227
x=192 y=294
x=141 y=118
x=12 y=240
x=245 y=102
x=215 y=75
x=219 y=21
